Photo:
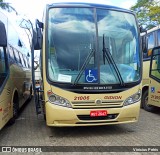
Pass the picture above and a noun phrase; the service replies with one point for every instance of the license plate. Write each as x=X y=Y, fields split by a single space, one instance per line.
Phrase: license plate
x=97 y=113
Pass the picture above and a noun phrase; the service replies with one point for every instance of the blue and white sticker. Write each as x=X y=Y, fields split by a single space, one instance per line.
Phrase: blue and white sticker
x=152 y=89
x=91 y=76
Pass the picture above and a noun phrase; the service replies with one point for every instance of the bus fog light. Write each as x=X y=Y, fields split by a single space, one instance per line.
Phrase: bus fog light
x=133 y=99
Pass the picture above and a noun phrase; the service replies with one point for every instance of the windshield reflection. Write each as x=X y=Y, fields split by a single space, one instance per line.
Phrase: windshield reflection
x=74 y=32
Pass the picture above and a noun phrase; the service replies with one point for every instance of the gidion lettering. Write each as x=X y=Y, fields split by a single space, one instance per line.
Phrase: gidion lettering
x=113 y=97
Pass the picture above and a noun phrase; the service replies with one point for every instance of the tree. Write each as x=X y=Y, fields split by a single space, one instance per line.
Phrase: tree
x=148 y=12
x=7 y=7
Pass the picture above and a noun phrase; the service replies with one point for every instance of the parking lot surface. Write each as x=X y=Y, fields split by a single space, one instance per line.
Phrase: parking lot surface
x=30 y=130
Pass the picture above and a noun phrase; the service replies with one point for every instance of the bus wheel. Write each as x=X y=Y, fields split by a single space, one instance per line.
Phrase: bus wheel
x=15 y=110
x=145 y=104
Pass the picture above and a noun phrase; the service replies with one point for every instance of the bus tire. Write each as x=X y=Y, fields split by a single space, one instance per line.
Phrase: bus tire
x=15 y=109
x=145 y=104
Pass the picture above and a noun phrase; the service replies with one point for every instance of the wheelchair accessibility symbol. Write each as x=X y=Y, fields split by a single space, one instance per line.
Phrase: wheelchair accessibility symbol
x=91 y=76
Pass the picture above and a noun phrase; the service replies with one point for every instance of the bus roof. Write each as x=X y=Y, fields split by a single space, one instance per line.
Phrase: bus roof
x=150 y=30
x=153 y=29
x=93 y=3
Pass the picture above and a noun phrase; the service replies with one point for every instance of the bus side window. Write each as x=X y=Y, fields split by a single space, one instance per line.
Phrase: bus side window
x=151 y=40
x=17 y=56
x=28 y=62
x=3 y=65
x=155 y=68
x=11 y=54
x=158 y=65
x=22 y=61
x=12 y=35
x=2 y=61
x=151 y=44
x=158 y=36
x=25 y=61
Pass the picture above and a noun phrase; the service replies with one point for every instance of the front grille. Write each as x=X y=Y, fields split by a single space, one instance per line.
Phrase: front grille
x=92 y=104
x=88 y=117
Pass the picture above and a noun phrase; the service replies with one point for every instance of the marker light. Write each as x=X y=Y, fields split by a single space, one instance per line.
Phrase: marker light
x=58 y=100
x=133 y=99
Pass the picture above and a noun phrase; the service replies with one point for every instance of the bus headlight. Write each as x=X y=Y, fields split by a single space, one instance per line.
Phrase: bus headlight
x=58 y=100
x=132 y=99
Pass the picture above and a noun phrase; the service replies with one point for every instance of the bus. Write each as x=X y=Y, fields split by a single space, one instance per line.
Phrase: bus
x=153 y=36
x=154 y=85
x=15 y=71
x=91 y=64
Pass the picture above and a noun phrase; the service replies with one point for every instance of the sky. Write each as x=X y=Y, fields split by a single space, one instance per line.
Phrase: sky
x=33 y=9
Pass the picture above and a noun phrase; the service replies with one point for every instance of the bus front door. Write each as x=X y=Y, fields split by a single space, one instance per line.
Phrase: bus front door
x=154 y=85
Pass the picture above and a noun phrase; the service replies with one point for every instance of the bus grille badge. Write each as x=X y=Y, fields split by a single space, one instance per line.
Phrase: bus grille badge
x=98 y=101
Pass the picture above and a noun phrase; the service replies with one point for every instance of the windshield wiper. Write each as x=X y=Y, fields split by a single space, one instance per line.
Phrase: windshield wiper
x=84 y=66
x=108 y=56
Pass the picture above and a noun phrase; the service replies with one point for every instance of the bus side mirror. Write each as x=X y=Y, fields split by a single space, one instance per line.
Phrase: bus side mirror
x=37 y=35
x=3 y=36
x=37 y=39
x=142 y=30
x=144 y=43
x=144 y=39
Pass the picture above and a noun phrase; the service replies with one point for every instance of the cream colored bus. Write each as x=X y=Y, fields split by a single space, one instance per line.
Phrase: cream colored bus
x=153 y=36
x=91 y=64
x=15 y=72
x=154 y=85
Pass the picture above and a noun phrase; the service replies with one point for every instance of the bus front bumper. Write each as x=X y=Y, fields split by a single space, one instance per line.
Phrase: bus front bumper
x=62 y=116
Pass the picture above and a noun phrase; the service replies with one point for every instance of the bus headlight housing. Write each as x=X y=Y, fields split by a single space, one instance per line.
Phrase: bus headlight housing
x=58 y=100
x=132 y=99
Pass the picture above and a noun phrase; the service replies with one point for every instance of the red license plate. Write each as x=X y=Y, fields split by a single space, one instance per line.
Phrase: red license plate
x=97 y=113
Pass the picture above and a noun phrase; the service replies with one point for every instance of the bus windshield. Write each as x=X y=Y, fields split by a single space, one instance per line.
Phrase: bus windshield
x=92 y=46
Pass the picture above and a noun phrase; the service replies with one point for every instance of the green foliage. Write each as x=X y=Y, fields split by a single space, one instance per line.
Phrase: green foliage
x=148 y=12
x=7 y=7
x=3 y=5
